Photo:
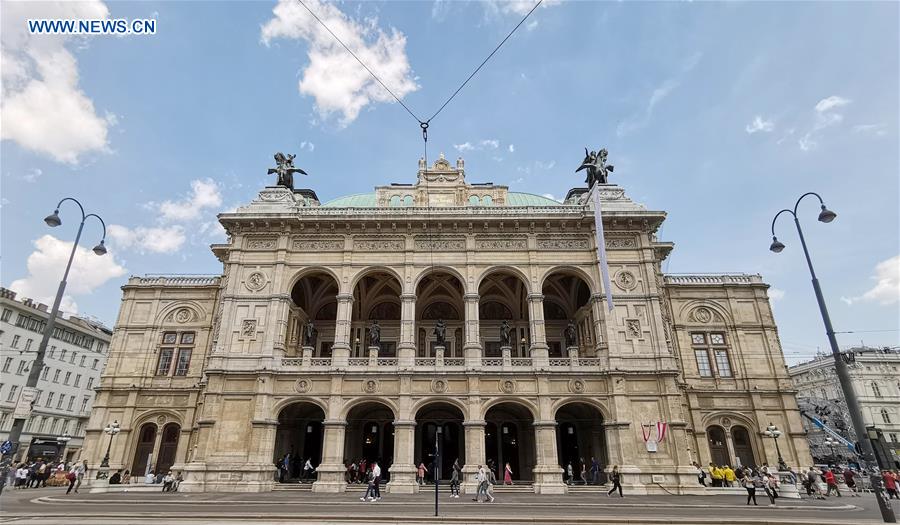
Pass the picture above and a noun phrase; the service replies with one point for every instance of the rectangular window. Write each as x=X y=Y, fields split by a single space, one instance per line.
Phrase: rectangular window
x=90 y=384
x=52 y=352
x=77 y=380
x=15 y=342
x=78 y=428
x=165 y=361
x=187 y=338
x=62 y=355
x=71 y=402
x=722 y=363
x=37 y=397
x=28 y=344
x=82 y=360
x=184 y=362
x=6 y=315
x=4 y=418
x=703 y=363
x=43 y=424
x=72 y=359
x=12 y=393
x=170 y=338
x=66 y=379
x=892 y=435
x=21 y=368
x=49 y=399
x=59 y=404
x=7 y=363
x=56 y=376
x=96 y=362
x=84 y=403
x=44 y=372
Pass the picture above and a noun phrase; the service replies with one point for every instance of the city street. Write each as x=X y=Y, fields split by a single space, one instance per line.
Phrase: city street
x=52 y=506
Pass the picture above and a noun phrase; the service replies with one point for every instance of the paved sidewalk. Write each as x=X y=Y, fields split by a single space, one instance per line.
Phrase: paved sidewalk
x=53 y=506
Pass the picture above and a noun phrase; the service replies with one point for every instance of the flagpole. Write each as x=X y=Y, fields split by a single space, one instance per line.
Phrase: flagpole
x=601 y=245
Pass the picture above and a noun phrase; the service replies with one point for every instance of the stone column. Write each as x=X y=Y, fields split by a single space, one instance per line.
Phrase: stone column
x=547 y=472
x=406 y=350
x=598 y=306
x=540 y=352
x=331 y=470
x=472 y=345
x=403 y=471
x=340 y=351
x=474 y=454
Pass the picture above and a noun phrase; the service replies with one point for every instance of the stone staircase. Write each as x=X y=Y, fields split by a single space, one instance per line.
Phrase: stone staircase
x=293 y=487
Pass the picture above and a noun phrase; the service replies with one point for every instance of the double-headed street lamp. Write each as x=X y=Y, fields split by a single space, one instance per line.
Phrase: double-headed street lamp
x=830 y=443
x=112 y=429
x=64 y=439
x=773 y=432
x=840 y=366
x=28 y=394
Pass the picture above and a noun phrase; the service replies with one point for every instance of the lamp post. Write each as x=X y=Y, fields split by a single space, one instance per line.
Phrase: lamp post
x=840 y=365
x=830 y=443
x=26 y=398
x=436 y=468
x=773 y=432
x=112 y=429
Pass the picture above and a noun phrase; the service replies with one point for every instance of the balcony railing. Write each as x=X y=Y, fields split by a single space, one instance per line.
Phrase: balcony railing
x=487 y=363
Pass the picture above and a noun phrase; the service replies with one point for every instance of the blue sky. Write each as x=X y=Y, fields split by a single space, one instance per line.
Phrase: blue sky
x=719 y=113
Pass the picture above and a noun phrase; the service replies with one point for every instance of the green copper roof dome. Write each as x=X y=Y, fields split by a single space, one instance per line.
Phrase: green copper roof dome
x=367 y=200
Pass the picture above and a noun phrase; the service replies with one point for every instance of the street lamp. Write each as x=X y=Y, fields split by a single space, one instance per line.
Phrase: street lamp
x=773 y=432
x=64 y=439
x=28 y=394
x=436 y=467
x=830 y=443
x=112 y=429
x=840 y=366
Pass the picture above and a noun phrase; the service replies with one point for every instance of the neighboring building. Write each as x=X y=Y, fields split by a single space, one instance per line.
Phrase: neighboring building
x=216 y=376
x=76 y=355
x=875 y=374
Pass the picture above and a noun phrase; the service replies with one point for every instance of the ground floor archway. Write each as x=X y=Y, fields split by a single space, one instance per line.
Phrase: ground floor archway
x=509 y=438
x=580 y=440
x=369 y=436
x=718 y=445
x=298 y=438
x=743 y=446
x=439 y=422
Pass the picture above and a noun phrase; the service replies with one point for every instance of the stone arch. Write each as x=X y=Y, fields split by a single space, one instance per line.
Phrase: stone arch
x=375 y=269
x=494 y=401
x=308 y=270
x=425 y=401
x=604 y=411
x=684 y=313
x=437 y=269
x=719 y=417
x=353 y=403
x=566 y=268
x=150 y=416
x=526 y=281
x=198 y=313
x=281 y=404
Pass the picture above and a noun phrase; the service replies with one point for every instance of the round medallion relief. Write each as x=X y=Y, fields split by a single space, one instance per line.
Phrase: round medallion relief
x=508 y=386
x=726 y=422
x=183 y=315
x=370 y=386
x=439 y=386
x=703 y=315
x=302 y=386
x=576 y=386
x=160 y=420
x=626 y=280
x=255 y=281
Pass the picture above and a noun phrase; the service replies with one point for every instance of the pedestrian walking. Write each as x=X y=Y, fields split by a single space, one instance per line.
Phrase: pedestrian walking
x=491 y=481
x=481 y=479
x=771 y=487
x=507 y=474
x=701 y=474
x=582 y=471
x=850 y=482
x=370 y=486
x=570 y=473
x=831 y=483
x=307 y=469
x=595 y=471
x=420 y=474
x=751 y=483
x=454 y=480
x=616 y=480
x=80 y=472
x=376 y=472
x=72 y=477
x=890 y=484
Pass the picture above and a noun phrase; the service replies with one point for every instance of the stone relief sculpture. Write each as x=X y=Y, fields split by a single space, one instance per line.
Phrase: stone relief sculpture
x=310 y=334
x=595 y=164
x=505 y=330
x=571 y=335
x=285 y=170
x=375 y=334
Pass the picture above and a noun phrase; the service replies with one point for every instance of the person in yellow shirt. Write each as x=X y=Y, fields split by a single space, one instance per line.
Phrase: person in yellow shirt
x=715 y=474
x=729 y=476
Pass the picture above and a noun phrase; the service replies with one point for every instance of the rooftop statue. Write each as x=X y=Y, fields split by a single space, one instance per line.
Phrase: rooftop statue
x=595 y=164
x=285 y=170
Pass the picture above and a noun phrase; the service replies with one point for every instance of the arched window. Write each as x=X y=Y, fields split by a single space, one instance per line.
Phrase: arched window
x=885 y=416
x=875 y=390
x=408 y=200
x=395 y=201
x=473 y=200
x=487 y=200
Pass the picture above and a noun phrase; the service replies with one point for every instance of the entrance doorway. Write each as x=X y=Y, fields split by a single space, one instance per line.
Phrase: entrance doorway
x=718 y=447
x=509 y=438
x=580 y=439
x=298 y=438
x=370 y=436
x=429 y=420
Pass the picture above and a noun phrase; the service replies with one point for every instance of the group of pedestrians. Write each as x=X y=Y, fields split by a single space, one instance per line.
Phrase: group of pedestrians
x=288 y=466
x=587 y=473
x=37 y=473
x=373 y=482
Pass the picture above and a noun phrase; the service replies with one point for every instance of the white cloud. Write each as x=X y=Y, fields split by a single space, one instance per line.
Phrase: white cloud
x=465 y=146
x=143 y=239
x=204 y=194
x=776 y=294
x=879 y=130
x=511 y=148
x=834 y=101
x=490 y=144
x=520 y=180
x=44 y=110
x=641 y=118
x=308 y=146
x=760 y=124
x=337 y=82
x=481 y=145
x=516 y=7
x=32 y=175
x=807 y=143
x=545 y=165
x=887 y=284
x=46 y=264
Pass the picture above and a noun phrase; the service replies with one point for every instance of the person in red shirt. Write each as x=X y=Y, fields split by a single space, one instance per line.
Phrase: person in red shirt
x=850 y=481
x=831 y=481
x=890 y=484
